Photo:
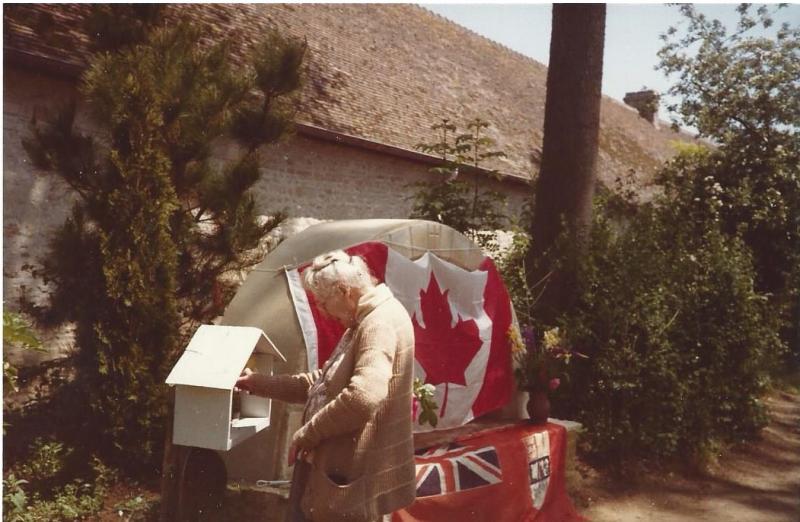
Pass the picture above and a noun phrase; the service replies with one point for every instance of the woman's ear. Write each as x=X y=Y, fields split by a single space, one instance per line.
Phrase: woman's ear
x=343 y=289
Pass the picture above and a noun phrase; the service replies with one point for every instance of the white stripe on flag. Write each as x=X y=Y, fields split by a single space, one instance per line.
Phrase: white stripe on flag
x=303 y=310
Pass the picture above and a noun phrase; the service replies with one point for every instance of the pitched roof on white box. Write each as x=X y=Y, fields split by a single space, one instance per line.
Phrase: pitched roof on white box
x=216 y=356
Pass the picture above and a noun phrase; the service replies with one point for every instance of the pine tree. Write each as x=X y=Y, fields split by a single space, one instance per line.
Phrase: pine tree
x=158 y=221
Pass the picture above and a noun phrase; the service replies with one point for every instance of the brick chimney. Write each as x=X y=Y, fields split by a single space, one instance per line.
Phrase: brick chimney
x=645 y=102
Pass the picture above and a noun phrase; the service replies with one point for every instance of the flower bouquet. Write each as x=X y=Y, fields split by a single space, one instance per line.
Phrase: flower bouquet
x=424 y=406
x=539 y=366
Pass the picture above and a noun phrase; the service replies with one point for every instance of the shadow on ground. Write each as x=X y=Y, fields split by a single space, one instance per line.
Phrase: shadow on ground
x=754 y=482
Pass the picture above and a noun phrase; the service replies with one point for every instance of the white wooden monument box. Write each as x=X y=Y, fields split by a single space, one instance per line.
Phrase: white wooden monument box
x=204 y=378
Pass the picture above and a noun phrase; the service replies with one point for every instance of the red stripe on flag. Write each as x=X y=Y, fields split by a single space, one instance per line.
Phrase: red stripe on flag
x=486 y=467
x=449 y=479
x=329 y=330
x=498 y=382
x=375 y=254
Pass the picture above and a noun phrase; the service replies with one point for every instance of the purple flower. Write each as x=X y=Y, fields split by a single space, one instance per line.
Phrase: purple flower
x=529 y=337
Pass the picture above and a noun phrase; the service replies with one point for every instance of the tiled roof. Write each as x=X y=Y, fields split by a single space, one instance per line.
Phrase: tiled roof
x=384 y=73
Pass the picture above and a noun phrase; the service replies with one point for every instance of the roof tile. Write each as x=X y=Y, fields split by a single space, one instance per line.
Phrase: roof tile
x=385 y=73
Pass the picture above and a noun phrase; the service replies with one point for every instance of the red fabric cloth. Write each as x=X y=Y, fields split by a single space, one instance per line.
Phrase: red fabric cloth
x=512 y=474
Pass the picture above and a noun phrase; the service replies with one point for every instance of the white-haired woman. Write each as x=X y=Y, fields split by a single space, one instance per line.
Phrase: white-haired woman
x=355 y=445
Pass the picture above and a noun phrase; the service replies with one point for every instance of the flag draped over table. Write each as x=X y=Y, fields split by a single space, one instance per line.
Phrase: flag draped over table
x=461 y=320
x=514 y=474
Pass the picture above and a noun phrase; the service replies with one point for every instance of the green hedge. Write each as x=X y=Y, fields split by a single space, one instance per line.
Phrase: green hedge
x=680 y=343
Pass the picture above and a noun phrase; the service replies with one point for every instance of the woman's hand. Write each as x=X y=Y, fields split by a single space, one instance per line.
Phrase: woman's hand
x=295 y=454
x=252 y=382
x=302 y=445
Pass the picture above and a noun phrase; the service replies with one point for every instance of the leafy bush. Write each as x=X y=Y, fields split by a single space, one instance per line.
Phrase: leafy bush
x=511 y=266
x=138 y=508
x=456 y=204
x=756 y=199
x=461 y=204
x=14 y=497
x=50 y=485
x=680 y=343
x=17 y=331
x=740 y=90
x=47 y=461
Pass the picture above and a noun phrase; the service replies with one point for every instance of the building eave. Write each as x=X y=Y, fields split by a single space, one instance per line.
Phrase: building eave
x=43 y=64
x=341 y=138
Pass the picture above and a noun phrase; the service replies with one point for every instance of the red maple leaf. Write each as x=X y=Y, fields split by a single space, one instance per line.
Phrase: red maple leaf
x=443 y=351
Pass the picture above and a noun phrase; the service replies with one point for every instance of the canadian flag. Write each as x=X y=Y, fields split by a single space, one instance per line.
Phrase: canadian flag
x=461 y=320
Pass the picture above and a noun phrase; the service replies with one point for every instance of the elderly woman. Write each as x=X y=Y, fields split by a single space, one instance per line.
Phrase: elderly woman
x=355 y=446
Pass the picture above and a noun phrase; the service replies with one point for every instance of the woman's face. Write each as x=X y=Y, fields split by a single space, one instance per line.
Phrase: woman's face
x=341 y=304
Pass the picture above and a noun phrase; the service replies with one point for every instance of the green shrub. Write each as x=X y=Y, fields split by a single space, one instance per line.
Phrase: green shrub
x=680 y=343
x=738 y=87
x=756 y=199
x=455 y=202
x=46 y=463
x=511 y=266
x=14 y=497
x=17 y=332
x=51 y=485
x=138 y=508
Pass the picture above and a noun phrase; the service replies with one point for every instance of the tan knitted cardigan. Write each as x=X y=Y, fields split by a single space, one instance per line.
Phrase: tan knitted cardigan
x=362 y=433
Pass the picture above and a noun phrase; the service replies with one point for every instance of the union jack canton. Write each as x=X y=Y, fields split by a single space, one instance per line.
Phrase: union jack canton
x=453 y=468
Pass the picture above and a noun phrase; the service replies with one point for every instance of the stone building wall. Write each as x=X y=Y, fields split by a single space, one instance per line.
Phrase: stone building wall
x=308 y=177
x=35 y=203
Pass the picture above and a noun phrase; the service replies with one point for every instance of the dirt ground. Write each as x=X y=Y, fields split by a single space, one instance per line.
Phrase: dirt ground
x=754 y=482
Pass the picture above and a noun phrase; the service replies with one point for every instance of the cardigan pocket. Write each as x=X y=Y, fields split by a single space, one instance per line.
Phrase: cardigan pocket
x=325 y=500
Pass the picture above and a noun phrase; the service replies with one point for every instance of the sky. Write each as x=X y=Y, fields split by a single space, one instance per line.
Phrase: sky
x=631 y=35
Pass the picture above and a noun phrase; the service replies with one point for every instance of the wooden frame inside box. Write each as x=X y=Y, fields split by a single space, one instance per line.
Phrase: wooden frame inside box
x=204 y=379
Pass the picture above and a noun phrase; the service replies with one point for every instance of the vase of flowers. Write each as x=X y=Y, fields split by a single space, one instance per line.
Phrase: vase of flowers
x=539 y=366
x=538 y=406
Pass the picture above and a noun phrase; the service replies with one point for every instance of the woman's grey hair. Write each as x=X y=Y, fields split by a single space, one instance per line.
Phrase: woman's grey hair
x=337 y=267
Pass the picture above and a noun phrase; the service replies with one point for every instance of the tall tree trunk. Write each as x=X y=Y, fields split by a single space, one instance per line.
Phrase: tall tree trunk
x=565 y=187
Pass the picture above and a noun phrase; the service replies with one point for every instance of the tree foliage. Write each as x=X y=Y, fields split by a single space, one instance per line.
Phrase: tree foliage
x=452 y=200
x=158 y=220
x=741 y=91
x=735 y=88
x=19 y=333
